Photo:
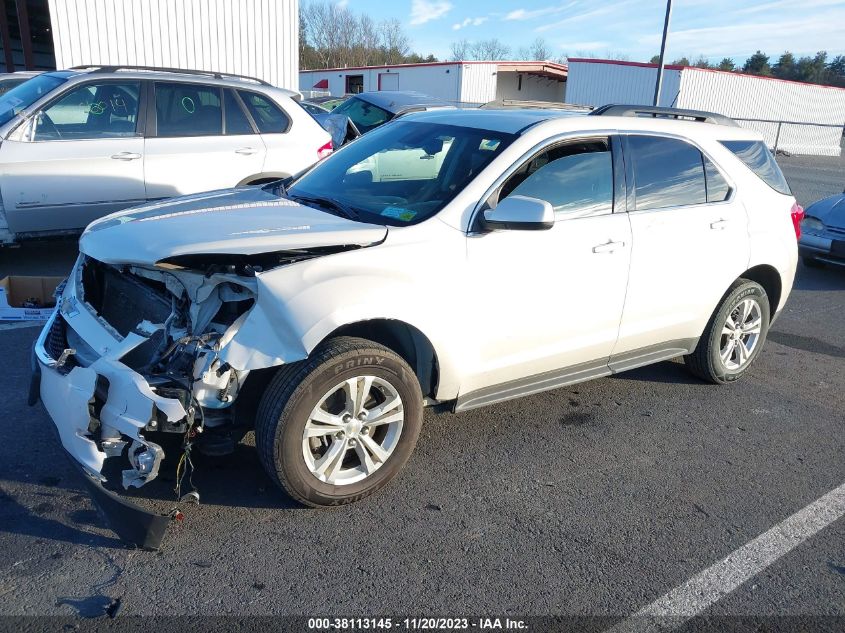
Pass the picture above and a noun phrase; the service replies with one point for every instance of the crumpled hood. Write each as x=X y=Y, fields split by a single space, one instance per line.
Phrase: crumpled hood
x=831 y=210
x=243 y=221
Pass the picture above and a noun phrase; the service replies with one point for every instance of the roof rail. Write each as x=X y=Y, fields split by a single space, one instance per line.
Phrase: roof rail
x=110 y=68
x=657 y=112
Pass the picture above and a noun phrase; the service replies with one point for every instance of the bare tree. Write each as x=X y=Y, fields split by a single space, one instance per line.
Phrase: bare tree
x=394 y=43
x=333 y=36
x=460 y=50
x=490 y=50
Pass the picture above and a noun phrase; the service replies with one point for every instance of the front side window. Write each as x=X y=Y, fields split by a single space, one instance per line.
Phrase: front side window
x=27 y=93
x=401 y=173
x=363 y=114
x=91 y=111
x=667 y=173
x=267 y=115
x=576 y=179
x=761 y=161
x=187 y=109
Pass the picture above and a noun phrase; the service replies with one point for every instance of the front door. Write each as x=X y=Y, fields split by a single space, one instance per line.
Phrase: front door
x=551 y=300
x=82 y=158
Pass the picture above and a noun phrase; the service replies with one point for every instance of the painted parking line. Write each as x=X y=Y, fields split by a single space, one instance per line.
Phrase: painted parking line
x=705 y=589
x=20 y=325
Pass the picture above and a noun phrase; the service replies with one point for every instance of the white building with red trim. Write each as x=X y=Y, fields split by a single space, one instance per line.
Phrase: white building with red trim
x=776 y=107
x=466 y=82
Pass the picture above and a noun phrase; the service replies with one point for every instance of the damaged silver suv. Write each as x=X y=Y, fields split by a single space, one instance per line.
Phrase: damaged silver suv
x=459 y=258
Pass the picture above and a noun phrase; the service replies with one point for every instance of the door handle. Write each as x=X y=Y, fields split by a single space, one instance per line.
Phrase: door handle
x=126 y=156
x=608 y=247
x=246 y=151
x=719 y=225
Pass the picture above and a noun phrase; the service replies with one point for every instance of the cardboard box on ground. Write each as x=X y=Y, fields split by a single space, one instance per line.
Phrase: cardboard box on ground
x=27 y=298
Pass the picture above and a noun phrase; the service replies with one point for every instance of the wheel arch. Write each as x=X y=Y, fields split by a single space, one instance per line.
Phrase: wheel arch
x=404 y=339
x=768 y=277
x=262 y=178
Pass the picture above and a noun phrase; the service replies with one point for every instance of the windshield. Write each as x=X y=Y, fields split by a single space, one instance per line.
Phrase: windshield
x=24 y=95
x=403 y=172
x=363 y=114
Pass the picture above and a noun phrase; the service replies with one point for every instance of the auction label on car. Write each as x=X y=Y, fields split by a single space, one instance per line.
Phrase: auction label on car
x=418 y=624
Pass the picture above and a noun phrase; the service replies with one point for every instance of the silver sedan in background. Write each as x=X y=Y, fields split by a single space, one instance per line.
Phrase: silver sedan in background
x=823 y=232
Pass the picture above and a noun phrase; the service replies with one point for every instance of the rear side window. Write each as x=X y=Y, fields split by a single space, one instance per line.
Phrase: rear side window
x=760 y=160
x=267 y=115
x=667 y=173
x=188 y=110
x=236 y=121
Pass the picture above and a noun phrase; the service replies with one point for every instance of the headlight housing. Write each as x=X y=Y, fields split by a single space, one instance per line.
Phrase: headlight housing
x=812 y=225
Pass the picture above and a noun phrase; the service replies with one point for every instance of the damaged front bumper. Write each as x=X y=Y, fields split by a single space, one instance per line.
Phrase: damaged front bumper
x=101 y=411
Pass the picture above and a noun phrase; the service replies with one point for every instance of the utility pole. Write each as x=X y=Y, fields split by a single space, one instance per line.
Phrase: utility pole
x=660 y=64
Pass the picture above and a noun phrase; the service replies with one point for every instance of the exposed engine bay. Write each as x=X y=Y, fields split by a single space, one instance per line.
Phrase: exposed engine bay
x=184 y=319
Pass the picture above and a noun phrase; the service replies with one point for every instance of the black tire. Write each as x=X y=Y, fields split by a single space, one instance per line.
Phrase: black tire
x=297 y=388
x=705 y=361
x=812 y=262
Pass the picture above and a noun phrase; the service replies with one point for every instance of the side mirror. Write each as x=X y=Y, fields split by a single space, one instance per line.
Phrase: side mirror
x=520 y=213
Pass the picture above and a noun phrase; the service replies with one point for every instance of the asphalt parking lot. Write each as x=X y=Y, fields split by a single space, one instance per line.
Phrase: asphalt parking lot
x=592 y=500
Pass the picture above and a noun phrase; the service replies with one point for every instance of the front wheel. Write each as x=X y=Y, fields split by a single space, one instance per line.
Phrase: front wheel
x=734 y=335
x=339 y=425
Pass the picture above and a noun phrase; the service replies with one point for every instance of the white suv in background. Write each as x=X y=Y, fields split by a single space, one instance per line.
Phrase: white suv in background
x=537 y=249
x=78 y=144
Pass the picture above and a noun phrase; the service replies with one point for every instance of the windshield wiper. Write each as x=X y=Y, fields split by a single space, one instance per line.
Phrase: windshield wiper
x=345 y=209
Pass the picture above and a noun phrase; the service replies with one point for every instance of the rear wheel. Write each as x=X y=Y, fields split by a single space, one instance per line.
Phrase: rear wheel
x=734 y=335
x=338 y=426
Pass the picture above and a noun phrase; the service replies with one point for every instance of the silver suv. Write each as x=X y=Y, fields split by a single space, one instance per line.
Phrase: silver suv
x=82 y=143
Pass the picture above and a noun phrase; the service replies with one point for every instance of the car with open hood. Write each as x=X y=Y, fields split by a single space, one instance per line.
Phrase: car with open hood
x=536 y=249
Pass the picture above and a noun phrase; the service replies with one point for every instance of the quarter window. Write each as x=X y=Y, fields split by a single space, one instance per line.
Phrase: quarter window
x=761 y=161
x=92 y=111
x=186 y=109
x=267 y=115
x=576 y=179
x=667 y=173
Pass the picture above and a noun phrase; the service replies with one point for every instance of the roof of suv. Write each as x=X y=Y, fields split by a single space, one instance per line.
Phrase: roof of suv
x=518 y=120
x=173 y=74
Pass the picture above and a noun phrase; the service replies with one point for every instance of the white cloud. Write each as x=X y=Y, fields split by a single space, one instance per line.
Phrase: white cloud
x=342 y=4
x=469 y=22
x=579 y=17
x=423 y=11
x=523 y=14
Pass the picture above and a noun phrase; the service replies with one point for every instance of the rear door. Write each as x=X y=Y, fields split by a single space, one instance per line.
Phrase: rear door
x=690 y=242
x=200 y=139
x=81 y=158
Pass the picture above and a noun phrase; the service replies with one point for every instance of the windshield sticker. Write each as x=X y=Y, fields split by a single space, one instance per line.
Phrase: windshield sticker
x=406 y=215
x=489 y=144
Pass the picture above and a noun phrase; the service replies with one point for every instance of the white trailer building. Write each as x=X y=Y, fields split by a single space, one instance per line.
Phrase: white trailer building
x=781 y=110
x=259 y=38
x=467 y=82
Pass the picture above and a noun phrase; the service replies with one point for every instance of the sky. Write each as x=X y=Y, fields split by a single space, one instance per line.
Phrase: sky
x=712 y=28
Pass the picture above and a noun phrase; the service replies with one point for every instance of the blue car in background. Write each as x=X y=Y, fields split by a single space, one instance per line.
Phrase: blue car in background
x=823 y=232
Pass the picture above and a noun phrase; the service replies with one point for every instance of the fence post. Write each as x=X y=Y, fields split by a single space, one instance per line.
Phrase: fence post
x=777 y=138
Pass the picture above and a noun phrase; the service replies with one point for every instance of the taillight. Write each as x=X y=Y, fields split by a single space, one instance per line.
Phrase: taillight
x=797 y=214
x=325 y=150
